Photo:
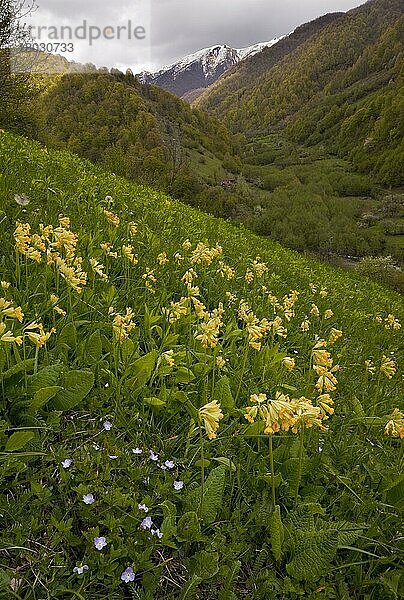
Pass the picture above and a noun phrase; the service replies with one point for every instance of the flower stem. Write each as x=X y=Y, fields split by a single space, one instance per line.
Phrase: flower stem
x=202 y=469
x=271 y=460
x=300 y=465
x=242 y=372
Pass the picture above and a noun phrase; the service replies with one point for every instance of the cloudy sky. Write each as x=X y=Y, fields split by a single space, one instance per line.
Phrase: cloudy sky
x=167 y=30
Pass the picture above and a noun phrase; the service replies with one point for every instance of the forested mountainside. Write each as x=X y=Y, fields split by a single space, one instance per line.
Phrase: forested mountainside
x=343 y=87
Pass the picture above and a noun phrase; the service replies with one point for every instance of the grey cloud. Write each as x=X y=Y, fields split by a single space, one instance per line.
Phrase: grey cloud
x=180 y=27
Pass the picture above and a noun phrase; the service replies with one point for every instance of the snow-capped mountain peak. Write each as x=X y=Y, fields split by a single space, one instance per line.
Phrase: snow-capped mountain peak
x=200 y=69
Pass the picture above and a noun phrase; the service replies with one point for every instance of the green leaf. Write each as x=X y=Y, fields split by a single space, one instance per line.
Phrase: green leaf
x=213 y=494
x=276 y=532
x=41 y=397
x=46 y=377
x=154 y=401
x=93 y=351
x=184 y=375
x=312 y=554
x=76 y=385
x=141 y=371
x=18 y=440
x=24 y=366
x=189 y=590
x=226 y=462
x=224 y=395
x=204 y=564
x=188 y=528
x=168 y=527
x=68 y=336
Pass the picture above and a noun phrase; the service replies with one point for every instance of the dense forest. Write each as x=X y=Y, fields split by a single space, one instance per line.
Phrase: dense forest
x=342 y=87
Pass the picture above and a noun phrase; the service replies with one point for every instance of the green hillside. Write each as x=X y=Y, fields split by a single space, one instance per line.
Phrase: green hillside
x=187 y=410
x=342 y=87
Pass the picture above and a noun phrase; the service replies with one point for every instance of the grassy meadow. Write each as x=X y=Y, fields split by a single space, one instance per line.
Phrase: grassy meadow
x=188 y=411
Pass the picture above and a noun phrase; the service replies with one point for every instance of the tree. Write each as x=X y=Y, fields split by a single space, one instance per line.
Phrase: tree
x=15 y=61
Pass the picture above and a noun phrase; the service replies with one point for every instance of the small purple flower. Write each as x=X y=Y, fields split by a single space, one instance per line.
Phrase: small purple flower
x=80 y=570
x=157 y=532
x=88 y=499
x=146 y=523
x=100 y=542
x=169 y=464
x=143 y=507
x=107 y=425
x=128 y=575
x=163 y=467
x=66 y=463
x=137 y=450
x=153 y=456
x=178 y=485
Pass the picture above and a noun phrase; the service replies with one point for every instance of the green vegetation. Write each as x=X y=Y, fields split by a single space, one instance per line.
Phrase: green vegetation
x=342 y=87
x=144 y=325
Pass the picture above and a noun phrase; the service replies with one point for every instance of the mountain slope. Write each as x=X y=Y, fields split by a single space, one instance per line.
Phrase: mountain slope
x=138 y=131
x=353 y=66
x=200 y=69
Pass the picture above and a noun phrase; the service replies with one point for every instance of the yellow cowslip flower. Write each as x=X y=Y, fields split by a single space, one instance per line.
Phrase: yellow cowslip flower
x=209 y=331
x=40 y=338
x=200 y=308
x=280 y=414
x=388 y=366
x=328 y=314
x=98 y=268
x=320 y=356
x=14 y=313
x=187 y=245
x=72 y=273
x=112 y=218
x=64 y=239
x=149 y=280
x=122 y=325
x=128 y=253
x=189 y=276
x=289 y=302
x=210 y=414
x=177 y=310
x=314 y=310
x=369 y=366
x=133 y=228
x=306 y=414
x=323 y=293
x=225 y=271
x=169 y=358
x=232 y=298
x=392 y=323
x=178 y=258
x=23 y=241
x=64 y=221
x=335 y=334
x=259 y=268
x=249 y=276
x=326 y=378
x=54 y=301
x=325 y=404
x=5 y=285
x=289 y=363
x=278 y=328
x=204 y=254
x=251 y=412
x=305 y=325
x=220 y=361
x=162 y=258
x=8 y=336
x=108 y=249
x=395 y=425
x=313 y=288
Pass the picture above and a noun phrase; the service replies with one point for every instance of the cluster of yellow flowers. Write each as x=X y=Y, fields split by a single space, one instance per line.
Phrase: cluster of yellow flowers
x=284 y=414
x=256 y=271
x=323 y=366
x=225 y=271
x=388 y=366
x=112 y=218
x=98 y=268
x=128 y=252
x=162 y=258
x=37 y=334
x=210 y=414
x=390 y=322
x=289 y=302
x=177 y=310
x=54 y=300
x=149 y=280
x=323 y=293
x=8 y=310
x=395 y=425
x=50 y=243
x=204 y=254
x=122 y=325
x=209 y=330
x=108 y=249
